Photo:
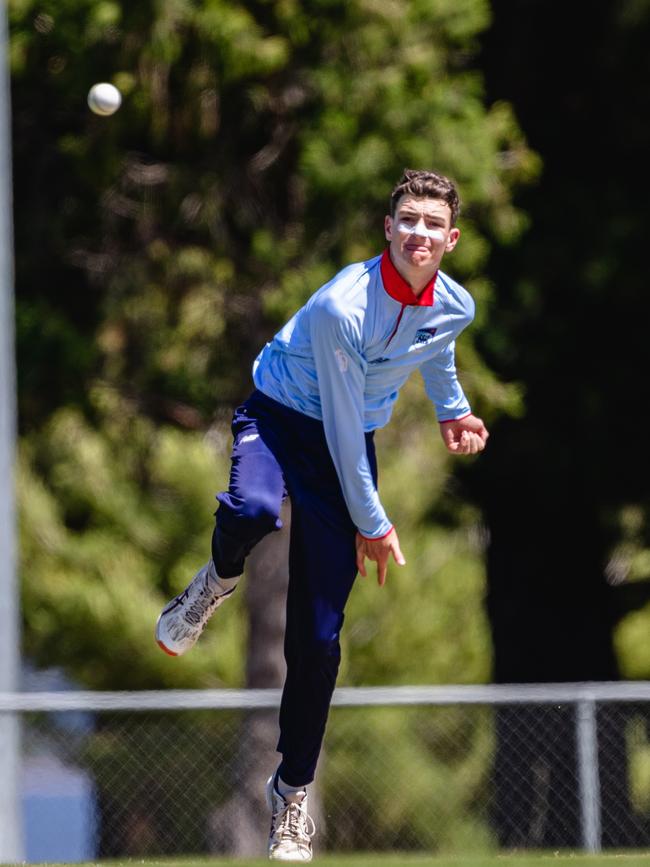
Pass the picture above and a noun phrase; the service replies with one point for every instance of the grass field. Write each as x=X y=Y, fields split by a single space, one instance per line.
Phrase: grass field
x=525 y=859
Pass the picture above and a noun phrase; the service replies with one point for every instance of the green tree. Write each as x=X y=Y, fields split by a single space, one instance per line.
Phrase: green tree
x=564 y=489
x=251 y=157
x=159 y=248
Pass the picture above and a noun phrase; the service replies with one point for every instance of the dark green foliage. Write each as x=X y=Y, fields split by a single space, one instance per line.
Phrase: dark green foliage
x=253 y=154
x=570 y=516
x=159 y=248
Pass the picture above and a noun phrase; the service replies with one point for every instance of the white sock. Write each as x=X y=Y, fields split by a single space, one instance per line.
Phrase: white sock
x=224 y=584
x=228 y=583
x=286 y=790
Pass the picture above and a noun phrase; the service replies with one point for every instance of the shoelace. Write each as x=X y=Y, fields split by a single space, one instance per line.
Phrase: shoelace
x=195 y=612
x=295 y=824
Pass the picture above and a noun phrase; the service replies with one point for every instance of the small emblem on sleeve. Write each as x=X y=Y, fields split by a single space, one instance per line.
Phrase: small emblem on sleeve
x=342 y=360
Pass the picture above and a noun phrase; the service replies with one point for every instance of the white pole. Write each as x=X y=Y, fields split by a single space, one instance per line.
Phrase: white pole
x=10 y=814
x=588 y=774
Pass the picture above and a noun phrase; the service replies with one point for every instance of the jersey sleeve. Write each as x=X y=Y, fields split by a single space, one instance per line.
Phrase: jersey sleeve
x=442 y=385
x=341 y=372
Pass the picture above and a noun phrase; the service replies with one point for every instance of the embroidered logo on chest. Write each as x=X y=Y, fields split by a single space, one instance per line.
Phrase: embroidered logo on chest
x=424 y=336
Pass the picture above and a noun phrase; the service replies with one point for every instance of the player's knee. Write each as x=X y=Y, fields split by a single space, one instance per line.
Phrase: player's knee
x=326 y=648
x=260 y=511
x=317 y=658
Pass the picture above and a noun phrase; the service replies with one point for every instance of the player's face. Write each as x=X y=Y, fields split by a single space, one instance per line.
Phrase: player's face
x=420 y=234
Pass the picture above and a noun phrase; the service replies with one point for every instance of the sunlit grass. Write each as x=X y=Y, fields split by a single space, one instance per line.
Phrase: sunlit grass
x=512 y=859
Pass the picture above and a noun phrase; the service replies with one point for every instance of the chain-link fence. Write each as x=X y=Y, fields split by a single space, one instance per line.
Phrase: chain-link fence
x=454 y=769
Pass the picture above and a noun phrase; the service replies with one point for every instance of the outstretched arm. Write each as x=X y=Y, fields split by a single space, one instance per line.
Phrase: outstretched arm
x=341 y=370
x=341 y=379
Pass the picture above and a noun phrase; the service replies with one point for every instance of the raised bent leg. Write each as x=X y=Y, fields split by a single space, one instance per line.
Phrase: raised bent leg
x=251 y=506
x=248 y=510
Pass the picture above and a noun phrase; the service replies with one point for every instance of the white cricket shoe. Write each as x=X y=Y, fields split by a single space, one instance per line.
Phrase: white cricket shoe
x=291 y=826
x=182 y=620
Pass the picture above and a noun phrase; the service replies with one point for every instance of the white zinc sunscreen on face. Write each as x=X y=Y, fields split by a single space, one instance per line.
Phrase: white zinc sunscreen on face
x=421 y=230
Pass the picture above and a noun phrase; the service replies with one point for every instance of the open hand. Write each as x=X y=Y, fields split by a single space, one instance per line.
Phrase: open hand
x=380 y=551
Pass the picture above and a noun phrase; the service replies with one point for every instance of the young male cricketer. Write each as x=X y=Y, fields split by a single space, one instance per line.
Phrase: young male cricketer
x=326 y=381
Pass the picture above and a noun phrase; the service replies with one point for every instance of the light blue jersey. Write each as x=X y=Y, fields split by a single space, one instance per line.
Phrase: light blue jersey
x=344 y=356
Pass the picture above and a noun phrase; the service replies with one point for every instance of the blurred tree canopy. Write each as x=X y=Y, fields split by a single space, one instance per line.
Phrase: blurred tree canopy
x=156 y=250
x=564 y=488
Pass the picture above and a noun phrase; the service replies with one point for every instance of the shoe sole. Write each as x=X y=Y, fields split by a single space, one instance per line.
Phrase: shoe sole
x=166 y=649
x=160 y=643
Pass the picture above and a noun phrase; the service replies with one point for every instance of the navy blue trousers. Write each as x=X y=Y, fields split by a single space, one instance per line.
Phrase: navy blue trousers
x=279 y=452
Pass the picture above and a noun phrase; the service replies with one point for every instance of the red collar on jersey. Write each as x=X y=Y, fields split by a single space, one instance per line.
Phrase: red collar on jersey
x=399 y=289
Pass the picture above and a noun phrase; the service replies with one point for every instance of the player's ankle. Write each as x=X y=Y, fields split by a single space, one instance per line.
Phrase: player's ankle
x=223 y=585
x=284 y=789
x=228 y=584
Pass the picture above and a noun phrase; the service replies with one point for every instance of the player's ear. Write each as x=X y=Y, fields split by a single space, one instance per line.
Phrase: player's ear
x=452 y=240
x=388 y=227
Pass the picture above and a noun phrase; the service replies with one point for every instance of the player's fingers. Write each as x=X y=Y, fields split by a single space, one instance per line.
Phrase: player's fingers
x=475 y=443
x=361 y=563
x=381 y=571
x=453 y=443
x=397 y=553
x=482 y=431
x=446 y=435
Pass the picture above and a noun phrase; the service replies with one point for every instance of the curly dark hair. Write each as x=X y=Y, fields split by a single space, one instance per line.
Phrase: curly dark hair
x=426 y=185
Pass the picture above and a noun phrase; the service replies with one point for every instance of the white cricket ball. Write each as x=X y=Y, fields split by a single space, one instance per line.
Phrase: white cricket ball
x=104 y=98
